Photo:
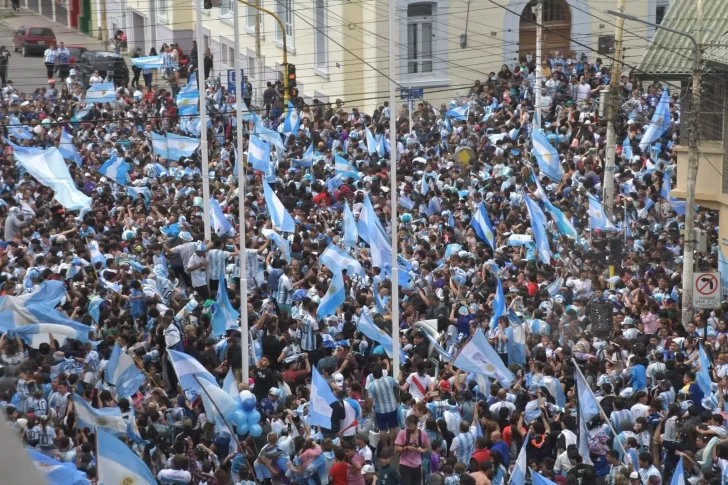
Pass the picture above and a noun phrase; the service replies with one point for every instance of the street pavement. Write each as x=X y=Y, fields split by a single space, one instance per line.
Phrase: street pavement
x=29 y=73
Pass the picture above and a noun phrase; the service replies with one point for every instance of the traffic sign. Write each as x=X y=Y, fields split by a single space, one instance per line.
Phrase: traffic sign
x=412 y=93
x=231 y=80
x=706 y=290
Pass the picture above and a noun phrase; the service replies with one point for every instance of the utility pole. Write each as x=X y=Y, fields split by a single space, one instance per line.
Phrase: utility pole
x=537 y=113
x=203 y=121
x=693 y=139
x=393 y=192
x=241 y=195
x=259 y=53
x=608 y=195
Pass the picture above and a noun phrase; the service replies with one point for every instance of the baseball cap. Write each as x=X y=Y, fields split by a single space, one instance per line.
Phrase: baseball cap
x=339 y=379
x=634 y=476
x=274 y=391
x=367 y=469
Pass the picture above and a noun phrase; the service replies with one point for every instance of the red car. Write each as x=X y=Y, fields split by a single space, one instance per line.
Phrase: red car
x=76 y=51
x=33 y=39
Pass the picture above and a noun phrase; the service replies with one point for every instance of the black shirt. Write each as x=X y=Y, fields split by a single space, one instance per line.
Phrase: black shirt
x=337 y=414
x=264 y=380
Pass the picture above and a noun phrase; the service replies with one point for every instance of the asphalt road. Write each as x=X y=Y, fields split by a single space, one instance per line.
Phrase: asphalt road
x=29 y=73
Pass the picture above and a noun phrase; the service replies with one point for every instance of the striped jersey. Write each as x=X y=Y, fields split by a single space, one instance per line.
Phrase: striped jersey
x=463 y=446
x=382 y=393
x=216 y=259
x=309 y=327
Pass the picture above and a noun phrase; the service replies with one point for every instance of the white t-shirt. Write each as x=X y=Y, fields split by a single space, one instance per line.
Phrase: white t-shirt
x=414 y=389
x=639 y=410
x=199 y=278
x=350 y=417
x=174 y=476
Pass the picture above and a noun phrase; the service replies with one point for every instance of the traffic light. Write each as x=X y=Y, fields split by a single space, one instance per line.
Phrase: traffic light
x=292 y=89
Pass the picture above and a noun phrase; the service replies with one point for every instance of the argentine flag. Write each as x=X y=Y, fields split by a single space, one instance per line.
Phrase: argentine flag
x=597 y=217
x=518 y=477
x=278 y=214
x=55 y=472
x=224 y=317
x=259 y=154
x=546 y=156
x=588 y=408
x=538 y=226
x=68 y=149
x=336 y=259
x=101 y=93
x=307 y=160
x=116 y=169
x=181 y=146
x=321 y=399
x=148 y=62
x=283 y=245
x=459 y=113
x=371 y=141
x=109 y=419
x=159 y=147
x=218 y=221
x=96 y=256
x=18 y=130
x=482 y=225
x=122 y=372
x=351 y=232
x=478 y=357
x=187 y=368
x=334 y=297
x=117 y=463
x=660 y=123
x=35 y=334
x=292 y=122
x=367 y=327
x=135 y=192
x=346 y=169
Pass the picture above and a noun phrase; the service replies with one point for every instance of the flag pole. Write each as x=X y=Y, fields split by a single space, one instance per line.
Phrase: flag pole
x=393 y=192
x=232 y=430
x=601 y=411
x=204 y=155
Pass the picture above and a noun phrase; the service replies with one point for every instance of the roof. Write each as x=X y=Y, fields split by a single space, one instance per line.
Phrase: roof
x=669 y=53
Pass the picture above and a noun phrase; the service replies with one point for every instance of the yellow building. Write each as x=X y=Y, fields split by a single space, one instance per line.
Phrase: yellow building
x=340 y=47
x=669 y=60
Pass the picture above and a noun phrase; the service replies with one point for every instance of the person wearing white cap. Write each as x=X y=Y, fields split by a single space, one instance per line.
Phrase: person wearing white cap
x=13 y=223
x=196 y=266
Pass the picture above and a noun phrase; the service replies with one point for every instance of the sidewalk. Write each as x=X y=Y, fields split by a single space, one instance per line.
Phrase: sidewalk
x=12 y=22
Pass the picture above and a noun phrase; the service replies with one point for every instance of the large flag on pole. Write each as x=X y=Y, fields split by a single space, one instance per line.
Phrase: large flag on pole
x=478 y=357
x=659 y=124
x=321 y=399
x=518 y=477
x=117 y=463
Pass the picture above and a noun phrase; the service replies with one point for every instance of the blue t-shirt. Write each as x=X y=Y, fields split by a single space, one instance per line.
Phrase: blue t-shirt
x=464 y=324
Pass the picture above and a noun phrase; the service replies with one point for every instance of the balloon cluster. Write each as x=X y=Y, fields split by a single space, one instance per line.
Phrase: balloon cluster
x=247 y=419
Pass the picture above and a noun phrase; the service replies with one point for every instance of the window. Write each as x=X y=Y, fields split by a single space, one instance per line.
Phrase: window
x=163 y=10
x=660 y=13
x=250 y=14
x=553 y=11
x=711 y=111
x=321 y=44
x=419 y=37
x=251 y=68
x=226 y=8
x=231 y=54
x=225 y=50
x=284 y=9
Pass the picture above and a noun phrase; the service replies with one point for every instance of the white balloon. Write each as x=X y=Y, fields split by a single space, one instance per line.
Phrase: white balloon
x=245 y=395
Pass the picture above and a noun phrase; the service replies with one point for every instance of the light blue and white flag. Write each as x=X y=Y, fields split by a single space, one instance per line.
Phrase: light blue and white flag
x=292 y=123
x=336 y=259
x=666 y=185
x=351 y=232
x=546 y=156
x=224 y=316
x=519 y=239
x=518 y=476
x=702 y=377
x=345 y=169
x=117 y=463
x=627 y=149
x=283 y=245
x=95 y=253
x=367 y=327
x=101 y=93
x=68 y=149
x=307 y=160
x=321 y=399
x=220 y=224
x=678 y=476
x=116 y=169
x=35 y=334
x=482 y=225
x=381 y=146
x=259 y=154
x=406 y=202
x=159 y=147
x=148 y=62
x=372 y=232
x=49 y=168
x=278 y=214
x=563 y=224
x=109 y=419
x=538 y=479
x=181 y=146
x=334 y=297
x=554 y=288
x=187 y=368
x=459 y=113
x=94 y=308
x=516 y=334
x=144 y=192
x=219 y=403
x=55 y=472
x=538 y=226
x=18 y=130
x=660 y=123
x=499 y=304
x=122 y=372
x=588 y=408
x=598 y=219
x=371 y=142
x=188 y=106
x=478 y=357
x=642 y=213
x=444 y=354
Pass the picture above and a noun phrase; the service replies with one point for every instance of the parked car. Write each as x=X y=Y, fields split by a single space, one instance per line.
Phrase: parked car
x=76 y=51
x=33 y=39
x=103 y=62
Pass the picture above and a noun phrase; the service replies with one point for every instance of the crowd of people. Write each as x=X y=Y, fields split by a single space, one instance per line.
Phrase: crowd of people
x=134 y=278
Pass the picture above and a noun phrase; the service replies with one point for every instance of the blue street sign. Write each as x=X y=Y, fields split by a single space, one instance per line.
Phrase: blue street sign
x=412 y=93
x=231 y=80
